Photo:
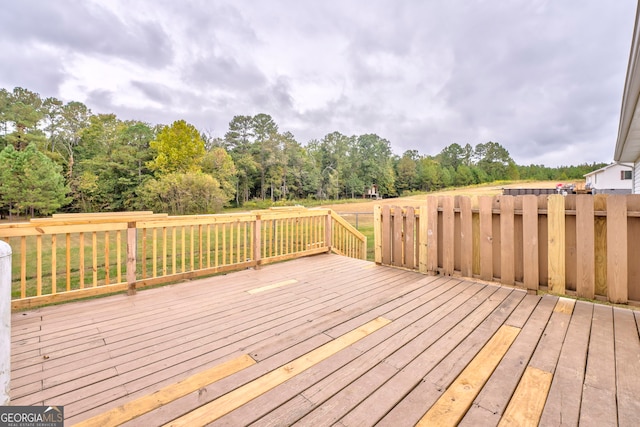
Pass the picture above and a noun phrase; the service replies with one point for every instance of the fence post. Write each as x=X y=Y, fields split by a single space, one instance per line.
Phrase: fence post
x=5 y=322
x=132 y=243
x=257 y=241
x=327 y=231
x=377 y=234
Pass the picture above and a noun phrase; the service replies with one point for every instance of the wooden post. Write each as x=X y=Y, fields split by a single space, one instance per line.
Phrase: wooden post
x=327 y=231
x=5 y=323
x=556 y=239
x=377 y=234
x=257 y=241
x=132 y=243
x=486 y=237
x=448 y=235
x=466 y=237
x=530 y=258
x=617 y=263
x=585 y=248
x=431 y=237
x=507 y=242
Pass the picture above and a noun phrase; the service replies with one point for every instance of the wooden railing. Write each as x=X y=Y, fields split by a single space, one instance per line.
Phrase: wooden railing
x=580 y=245
x=79 y=255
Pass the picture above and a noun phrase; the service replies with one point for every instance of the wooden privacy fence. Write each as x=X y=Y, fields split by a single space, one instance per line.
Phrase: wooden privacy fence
x=582 y=245
x=78 y=255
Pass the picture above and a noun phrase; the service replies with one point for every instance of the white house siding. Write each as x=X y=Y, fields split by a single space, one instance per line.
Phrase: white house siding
x=608 y=179
x=636 y=178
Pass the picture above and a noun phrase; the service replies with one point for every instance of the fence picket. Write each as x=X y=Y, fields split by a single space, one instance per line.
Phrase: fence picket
x=466 y=236
x=617 y=249
x=530 y=242
x=409 y=235
x=431 y=238
x=448 y=235
x=486 y=237
x=507 y=243
x=585 y=248
x=556 y=243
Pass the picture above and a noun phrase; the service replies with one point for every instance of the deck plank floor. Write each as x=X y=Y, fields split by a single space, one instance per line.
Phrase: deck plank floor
x=290 y=320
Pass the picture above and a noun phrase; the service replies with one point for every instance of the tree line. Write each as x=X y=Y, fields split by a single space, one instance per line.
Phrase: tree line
x=58 y=156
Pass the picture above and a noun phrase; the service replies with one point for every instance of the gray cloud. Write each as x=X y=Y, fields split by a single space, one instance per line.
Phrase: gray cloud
x=542 y=78
x=80 y=26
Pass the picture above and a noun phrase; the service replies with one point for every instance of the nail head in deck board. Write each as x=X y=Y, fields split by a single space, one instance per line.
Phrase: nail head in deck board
x=466 y=237
x=525 y=407
x=457 y=399
x=627 y=366
x=230 y=401
x=134 y=409
x=556 y=243
x=486 y=237
x=507 y=246
x=585 y=246
x=617 y=269
x=273 y=286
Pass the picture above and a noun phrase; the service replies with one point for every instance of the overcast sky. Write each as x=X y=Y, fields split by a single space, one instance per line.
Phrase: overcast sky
x=542 y=78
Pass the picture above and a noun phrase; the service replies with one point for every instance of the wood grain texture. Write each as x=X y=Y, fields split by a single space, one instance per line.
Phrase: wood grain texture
x=448 y=235
x=466 y=237
x=617 y=268
x=230 y=401
x=525 y=407
x=431 y=238
x=134 y=409
x=486 y=237
x=585 y=247
x=530 y=242
x=556 y=244
x=455 y=402
x=507 y=240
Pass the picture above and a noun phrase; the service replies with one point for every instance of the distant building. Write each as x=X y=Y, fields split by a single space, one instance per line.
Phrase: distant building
x=628 y=142
x=616 y=178
x=372 y=192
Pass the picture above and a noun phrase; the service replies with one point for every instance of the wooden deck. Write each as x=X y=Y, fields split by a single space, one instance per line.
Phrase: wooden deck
x=329 y=340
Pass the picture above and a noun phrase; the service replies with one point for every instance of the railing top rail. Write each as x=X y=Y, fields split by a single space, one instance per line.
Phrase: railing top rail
x=348 y=226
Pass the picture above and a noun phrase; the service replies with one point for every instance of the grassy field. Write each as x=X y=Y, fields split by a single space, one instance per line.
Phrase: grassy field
x=358 y=213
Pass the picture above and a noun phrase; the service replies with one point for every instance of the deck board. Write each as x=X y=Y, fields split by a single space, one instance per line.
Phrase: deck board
x=93 y=356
